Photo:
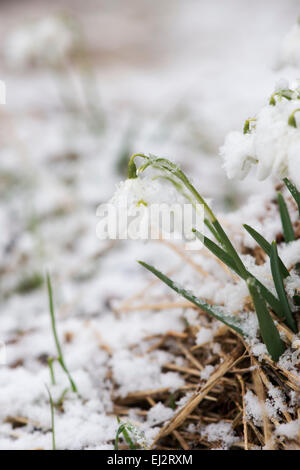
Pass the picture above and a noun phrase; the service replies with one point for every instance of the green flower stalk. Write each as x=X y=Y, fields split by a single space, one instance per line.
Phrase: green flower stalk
x=60 y=357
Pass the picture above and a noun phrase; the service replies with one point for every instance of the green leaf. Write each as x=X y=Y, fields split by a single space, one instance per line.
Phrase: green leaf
x=218 y=252
x=278 y=281
x=266 y=246
x=268 y=330
x=287 y=226
x=230 y=248
x=212 y=230
x=223 y=256
x=133 y=436
x=55 y=335
x=122 y=430
x=294 y=191
x=52 y=418
x=216 y=312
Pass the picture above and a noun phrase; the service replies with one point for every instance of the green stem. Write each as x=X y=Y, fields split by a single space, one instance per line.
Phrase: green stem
x=50 y=363
x=287 y=94
x=132 y=170
x=52 y=419
x=166 y=165
x=58 y=347
x=247 y=129
x=292 y=121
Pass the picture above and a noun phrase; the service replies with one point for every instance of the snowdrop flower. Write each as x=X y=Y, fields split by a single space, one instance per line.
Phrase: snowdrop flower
x=133 y=199
x=271 y=141
x=150 y=206
x=45 y=42
x=290 y=51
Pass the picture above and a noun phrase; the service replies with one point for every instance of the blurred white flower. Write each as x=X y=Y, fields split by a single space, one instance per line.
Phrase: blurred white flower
x=44 y=42
x=290 y=50
x=272 y=143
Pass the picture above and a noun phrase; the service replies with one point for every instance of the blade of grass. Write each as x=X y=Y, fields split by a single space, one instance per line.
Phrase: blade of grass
x=223 y=256
x=57 y=343
x=62 y=397
x=287 y=226
x=52 y=419
x=122 y=430
x=279 y=286
x=266 y=246
x=268 y=330
x=294 y=191
x=50 y=364
x=212 y=310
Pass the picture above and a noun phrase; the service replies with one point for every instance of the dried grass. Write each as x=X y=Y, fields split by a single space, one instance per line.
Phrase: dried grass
x=222 y=396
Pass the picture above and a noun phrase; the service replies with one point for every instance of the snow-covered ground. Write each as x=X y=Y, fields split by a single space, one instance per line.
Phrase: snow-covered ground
x=169 y=78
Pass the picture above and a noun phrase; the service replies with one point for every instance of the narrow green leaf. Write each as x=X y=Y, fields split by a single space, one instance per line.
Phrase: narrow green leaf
x=268 y=330
x=52 y=419
x=294 y=191
x=55 y=335
x=266 y=246
x=278 y=281
x=218 y=252
x=50 y=364
x=212 y=230
x=122 y=430
x=223 y=256
x=287 y=226
x=216 y=312
x=62 y=397
x=229 y=248
x=269 y=297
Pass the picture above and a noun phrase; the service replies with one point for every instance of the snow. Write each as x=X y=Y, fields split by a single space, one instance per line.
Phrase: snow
x=276 y=401
x=222 y=432
x=56 y=168
x=254 y=409
x=134 y=373
x=159 y=414
x=207 y=371
x=291 y=429
x=204 y=335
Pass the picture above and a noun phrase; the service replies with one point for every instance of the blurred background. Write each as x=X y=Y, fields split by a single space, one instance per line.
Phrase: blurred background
x=88 y=84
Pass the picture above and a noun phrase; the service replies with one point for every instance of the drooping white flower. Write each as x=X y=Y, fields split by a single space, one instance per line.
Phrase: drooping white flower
x=272 y=143
x=290 y=50
x=144 y=208
x=44 y=42
x=240 y=148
